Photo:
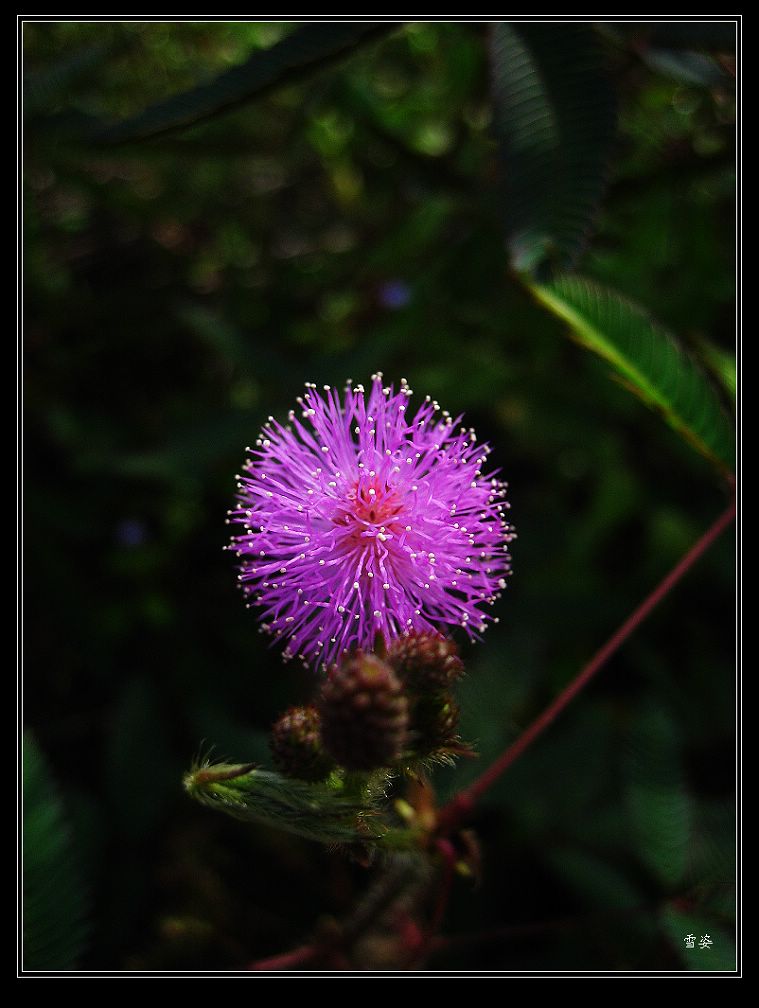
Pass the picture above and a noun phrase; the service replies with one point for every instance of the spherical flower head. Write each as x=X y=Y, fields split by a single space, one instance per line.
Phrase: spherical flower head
x=357 y=520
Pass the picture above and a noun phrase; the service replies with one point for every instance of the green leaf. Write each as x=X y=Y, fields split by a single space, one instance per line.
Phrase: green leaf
x=722 y=364
x=55 y=927
x=555 y=120
x=646 y=357
x=713 y=846
x=658 y=803
x=300 y=53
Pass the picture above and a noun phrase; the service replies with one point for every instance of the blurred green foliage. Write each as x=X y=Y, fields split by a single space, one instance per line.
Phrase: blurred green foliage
x=54 y=902
x=180 y=289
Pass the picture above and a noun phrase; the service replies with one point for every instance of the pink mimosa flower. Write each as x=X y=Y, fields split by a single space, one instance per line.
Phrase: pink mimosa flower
x=355 y=520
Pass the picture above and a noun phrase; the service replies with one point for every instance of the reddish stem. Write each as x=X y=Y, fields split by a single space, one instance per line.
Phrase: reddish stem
x=287 y=960
x=462 y=804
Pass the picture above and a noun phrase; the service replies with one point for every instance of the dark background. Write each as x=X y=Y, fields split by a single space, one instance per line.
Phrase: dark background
x=179 y=290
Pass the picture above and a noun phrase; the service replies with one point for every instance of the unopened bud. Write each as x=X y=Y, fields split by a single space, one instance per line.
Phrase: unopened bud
x=364 y=713
x=296 y=745
x=425 y=662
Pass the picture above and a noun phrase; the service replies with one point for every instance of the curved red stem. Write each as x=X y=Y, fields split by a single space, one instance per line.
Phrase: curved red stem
x=460 y=807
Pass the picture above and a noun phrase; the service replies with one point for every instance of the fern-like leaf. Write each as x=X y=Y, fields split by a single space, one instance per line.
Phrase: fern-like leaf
x=648 y=359
x=305 y=50
x=554 y=120
x=658 y=802
x=55 y=928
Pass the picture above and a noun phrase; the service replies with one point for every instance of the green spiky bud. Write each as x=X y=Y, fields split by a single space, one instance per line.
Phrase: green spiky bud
x=425 y=662
x=296 y=745
x=321 y=811
x=364 y=713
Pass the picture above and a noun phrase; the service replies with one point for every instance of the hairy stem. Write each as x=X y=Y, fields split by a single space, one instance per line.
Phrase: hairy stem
x=452 y=814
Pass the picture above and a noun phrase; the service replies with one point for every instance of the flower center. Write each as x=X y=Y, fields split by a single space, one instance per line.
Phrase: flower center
x=371 y=510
